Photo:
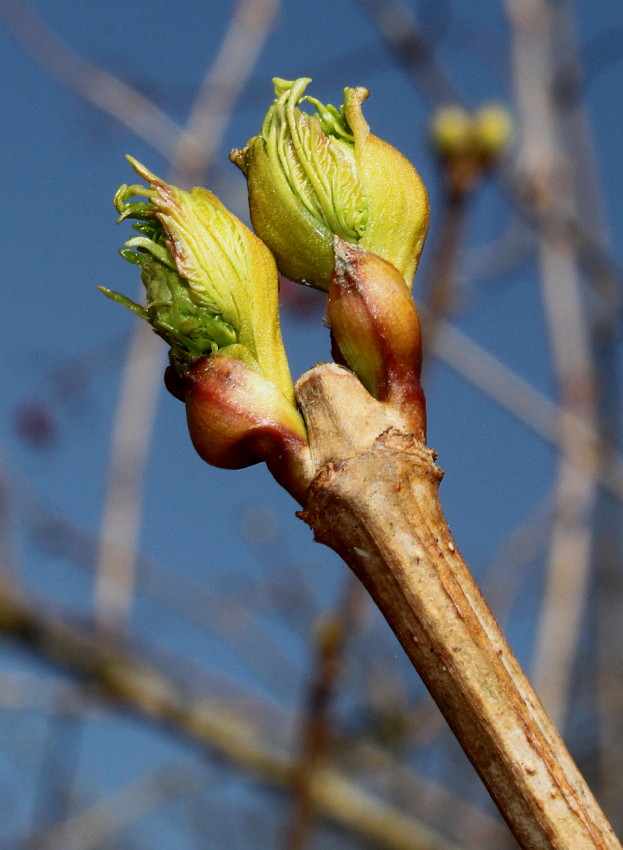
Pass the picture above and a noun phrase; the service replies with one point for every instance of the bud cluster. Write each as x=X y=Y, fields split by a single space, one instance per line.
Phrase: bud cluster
x=332 y=206
x=469 y=144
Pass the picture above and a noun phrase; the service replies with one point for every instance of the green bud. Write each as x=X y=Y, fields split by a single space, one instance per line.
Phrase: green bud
x=211 y=285
x=451 y=132
x=481 y=136
x=315 y=176
x=493 y=129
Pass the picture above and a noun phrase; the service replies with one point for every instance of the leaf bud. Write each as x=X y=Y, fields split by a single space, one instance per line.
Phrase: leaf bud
x=451 y=131
x=376 y=328
x=469 y=144
x=315 y=176
x=211 y=285
x=493 y=128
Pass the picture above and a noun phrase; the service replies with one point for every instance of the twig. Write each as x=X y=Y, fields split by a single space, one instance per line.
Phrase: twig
x=115 y=571
x=221 y=87
x=28 y=692
x=374 y=501
x=238 y=627
x=8 y=561
x=440 y=283
x=491 y=260
x=533 y=27
x=333 y=631
x=527 y=404
x=95 y=824
x=521 y=547
x=59 y=763
x=605 y=329
x=19 y=692
x=95 y=85
x=398 y=28
x=476 y=828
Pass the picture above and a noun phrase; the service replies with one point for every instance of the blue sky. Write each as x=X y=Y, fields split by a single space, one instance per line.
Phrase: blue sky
x=65 y=344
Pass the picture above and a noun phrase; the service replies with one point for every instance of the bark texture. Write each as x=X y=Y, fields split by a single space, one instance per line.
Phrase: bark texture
x=374 y=500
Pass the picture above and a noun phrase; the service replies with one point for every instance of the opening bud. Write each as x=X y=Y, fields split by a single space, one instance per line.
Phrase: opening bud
x=315 y=176
x=211 y=284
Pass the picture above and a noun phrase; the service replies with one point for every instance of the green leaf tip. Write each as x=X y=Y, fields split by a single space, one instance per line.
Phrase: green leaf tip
x=315 y=176
x=210 y=283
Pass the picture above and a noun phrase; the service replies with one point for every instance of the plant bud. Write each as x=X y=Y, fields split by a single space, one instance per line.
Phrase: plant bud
x=313 y=176
x=493 y=129
x=211 y=284
x=470 y=143
x=376 y=327
x=236 y=417
x=451 y=131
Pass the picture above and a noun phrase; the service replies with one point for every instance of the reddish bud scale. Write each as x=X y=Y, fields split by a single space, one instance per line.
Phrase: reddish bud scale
x=236 y=418
x=376 y=328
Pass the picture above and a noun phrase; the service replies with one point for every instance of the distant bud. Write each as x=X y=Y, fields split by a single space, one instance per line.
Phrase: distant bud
x=313 y=177
x=376 y=327
x=493 y=129
x=451 y=131
x=470 y=142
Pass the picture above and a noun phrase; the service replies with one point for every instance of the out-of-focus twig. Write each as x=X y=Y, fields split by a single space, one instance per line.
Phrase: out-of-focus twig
x=121 y=676
x=136 y=408
x=60 y=697
x=439 y=292
x=132 y=429
x=542 y=158
x=92 y=826
x=472 y=825
x=606 y=321
x=115 y=571
x=331 y=634
x=521 y=547
x=33 y=692
x=221 y=87
x=238 y=627
x=527 y=404
x=99 y=87
x=398 y=28
x=57 y=769
x=504 y=253
x=8 y=564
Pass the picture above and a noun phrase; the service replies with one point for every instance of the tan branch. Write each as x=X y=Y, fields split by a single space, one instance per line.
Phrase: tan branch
x=374 y=501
